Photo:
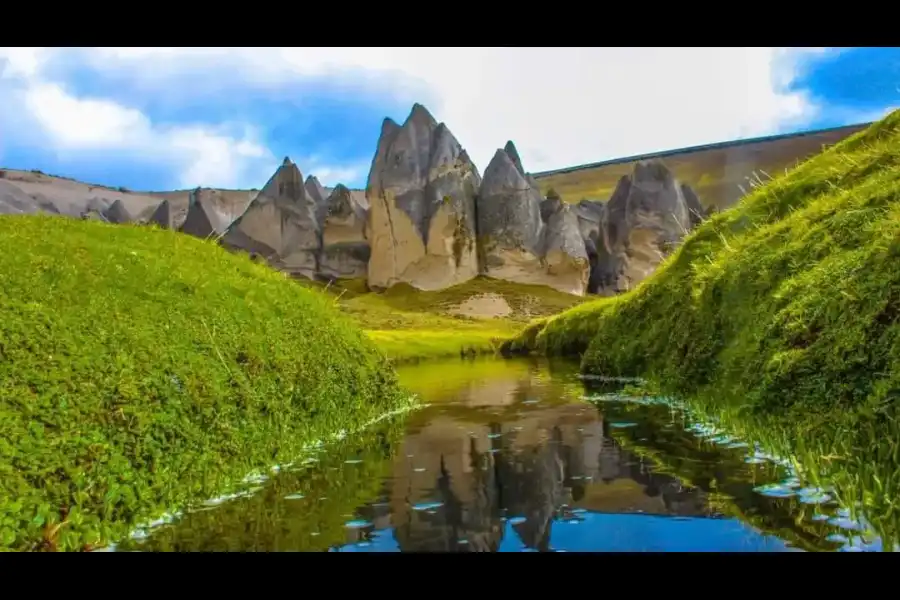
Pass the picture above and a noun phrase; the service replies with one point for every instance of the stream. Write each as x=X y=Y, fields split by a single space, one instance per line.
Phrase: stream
x=519 y=455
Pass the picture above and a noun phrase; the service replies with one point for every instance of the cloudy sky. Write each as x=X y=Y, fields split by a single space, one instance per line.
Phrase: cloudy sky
x=163 y=118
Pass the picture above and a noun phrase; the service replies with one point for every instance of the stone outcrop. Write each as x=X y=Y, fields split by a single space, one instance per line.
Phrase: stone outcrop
x=646 y=217
x=117 y=213
x=421 y=193
x=162 y=216
x=280 y=225
x=345 y=247
x=523 y=238
x=319 y=196
x=203 y=221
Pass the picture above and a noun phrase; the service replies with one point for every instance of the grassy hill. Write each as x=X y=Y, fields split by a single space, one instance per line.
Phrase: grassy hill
x=717 y=172
x=782 y=312
x=141 y=369
x=470 y=318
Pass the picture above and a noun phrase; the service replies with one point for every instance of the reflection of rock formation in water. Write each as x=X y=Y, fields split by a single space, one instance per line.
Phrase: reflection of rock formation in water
x=529 y=468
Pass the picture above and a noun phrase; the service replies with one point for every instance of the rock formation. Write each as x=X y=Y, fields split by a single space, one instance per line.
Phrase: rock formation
x=516 y=243
x=318 y=195
x=203 y=221
x=280 y=225
x=162 y=216
x=345 y=248
x=117 y=213
x=421 y=193
x=646 y=217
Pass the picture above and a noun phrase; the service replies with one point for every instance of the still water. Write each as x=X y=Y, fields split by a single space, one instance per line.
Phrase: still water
x=517 y=456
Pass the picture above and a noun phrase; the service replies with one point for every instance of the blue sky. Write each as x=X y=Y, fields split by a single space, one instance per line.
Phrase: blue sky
x=163 y=118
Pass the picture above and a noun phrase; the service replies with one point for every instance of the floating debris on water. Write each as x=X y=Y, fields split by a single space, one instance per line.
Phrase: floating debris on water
x=845 y=523
x=357 y=524
x=775 y=490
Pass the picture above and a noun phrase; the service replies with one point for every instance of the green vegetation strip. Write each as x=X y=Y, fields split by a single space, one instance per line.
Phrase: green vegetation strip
x=783 y=309
x=142 y=370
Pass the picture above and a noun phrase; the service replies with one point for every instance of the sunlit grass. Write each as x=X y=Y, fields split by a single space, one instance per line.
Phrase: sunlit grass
x=782 y=310
x=409 y=324
x=141 y=369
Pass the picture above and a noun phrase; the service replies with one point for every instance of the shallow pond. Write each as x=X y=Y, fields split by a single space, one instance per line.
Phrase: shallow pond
x=519 y=455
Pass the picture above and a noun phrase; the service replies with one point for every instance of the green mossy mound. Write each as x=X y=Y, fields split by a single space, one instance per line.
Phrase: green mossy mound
x=142 y=369
x=785 y=304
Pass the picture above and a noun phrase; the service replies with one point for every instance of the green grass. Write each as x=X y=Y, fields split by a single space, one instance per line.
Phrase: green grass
x=783 y=309
x=283 y=515
x=410 y=325
x=142 y=369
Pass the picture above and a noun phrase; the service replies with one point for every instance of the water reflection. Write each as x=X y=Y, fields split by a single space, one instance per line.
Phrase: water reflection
x=508 y=457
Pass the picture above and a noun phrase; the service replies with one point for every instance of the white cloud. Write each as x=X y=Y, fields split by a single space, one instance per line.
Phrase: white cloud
x=562 y=106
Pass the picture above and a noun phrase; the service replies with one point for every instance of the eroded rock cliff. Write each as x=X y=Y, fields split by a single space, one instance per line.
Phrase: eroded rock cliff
x=523 y=238
x=646 y=217
x=280 y=225
x=421 y=192
x=345 y=247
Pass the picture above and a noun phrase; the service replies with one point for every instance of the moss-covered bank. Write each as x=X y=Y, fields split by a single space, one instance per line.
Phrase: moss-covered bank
x=141 y=369
x=784 y=306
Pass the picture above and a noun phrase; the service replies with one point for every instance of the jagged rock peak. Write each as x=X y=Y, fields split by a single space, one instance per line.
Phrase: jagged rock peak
x=421 y=116
x=162 y=216
x=117 y=213
x=286 y=185
x=513 y=154
x=315 y=190
x=287 y=161
x=340 y=201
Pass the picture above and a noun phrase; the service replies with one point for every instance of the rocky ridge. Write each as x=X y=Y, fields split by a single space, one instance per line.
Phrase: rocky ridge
x=427 y=218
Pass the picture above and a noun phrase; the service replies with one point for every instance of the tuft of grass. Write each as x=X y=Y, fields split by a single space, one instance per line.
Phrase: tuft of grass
x=410 y=324
x=142 y=369
x=784 y=308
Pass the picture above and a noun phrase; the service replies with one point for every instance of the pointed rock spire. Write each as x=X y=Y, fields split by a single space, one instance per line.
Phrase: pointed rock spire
x=162 y=216
x=203 y=221
x=117 y=213
x=513 y=154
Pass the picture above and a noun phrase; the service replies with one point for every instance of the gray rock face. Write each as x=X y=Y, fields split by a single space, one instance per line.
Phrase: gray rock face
x=317 y=194
x=203 y=221
x=509 y=211
x=421 y=193
x=117 y=213
x=646 y=217
x=280 y=224
x=162 y=216
x=345 y=247
x=523 y=238
x=14 y=201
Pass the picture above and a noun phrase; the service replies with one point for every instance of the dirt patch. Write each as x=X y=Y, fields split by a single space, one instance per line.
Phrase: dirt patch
x=483 y=306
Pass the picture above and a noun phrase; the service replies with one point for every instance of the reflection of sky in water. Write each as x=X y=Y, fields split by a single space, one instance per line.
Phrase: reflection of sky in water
x=604 y=532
